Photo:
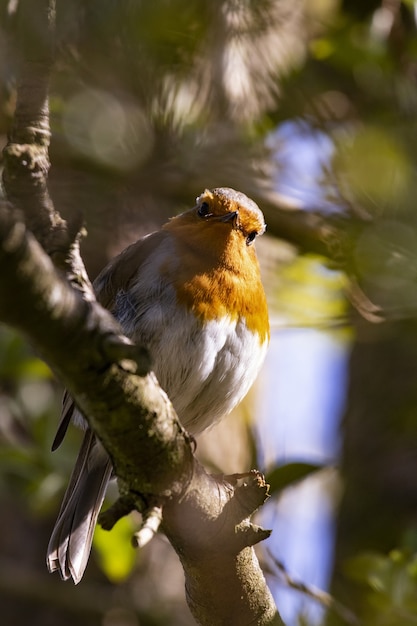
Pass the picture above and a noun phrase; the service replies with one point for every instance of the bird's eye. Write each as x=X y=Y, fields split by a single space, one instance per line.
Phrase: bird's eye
x=251 y=237
x=204 y=209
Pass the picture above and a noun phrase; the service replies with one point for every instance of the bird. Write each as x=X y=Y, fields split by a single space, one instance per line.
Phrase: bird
x=191 y=293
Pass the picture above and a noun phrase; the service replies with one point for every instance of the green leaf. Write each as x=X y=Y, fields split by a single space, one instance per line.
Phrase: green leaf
x=286 y=475
x=114 y=549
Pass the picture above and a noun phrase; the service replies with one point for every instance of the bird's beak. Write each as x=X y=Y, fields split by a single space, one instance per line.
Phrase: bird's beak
x=229 y=217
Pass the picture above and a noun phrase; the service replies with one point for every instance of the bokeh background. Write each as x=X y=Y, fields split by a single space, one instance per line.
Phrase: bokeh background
x=302 y=105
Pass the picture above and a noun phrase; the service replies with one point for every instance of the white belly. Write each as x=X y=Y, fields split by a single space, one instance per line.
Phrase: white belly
x=207 y=372
x=206 y=369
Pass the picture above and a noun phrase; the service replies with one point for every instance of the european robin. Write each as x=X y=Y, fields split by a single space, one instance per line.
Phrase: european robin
x=192 y=294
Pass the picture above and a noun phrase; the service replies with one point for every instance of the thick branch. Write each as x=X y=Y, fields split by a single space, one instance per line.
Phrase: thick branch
x=213 y=538
x=26 y=157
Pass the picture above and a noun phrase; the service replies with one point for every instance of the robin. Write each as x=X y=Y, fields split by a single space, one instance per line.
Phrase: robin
x=192 y=294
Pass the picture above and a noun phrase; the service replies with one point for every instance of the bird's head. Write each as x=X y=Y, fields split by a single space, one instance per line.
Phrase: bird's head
x=226 y=205
x=218 y=214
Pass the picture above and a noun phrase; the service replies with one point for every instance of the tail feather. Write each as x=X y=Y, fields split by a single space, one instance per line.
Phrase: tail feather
x=70 y=543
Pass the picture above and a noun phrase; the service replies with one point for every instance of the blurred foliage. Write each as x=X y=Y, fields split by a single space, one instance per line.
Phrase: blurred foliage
x=390 y=586
x=28 y=407
x=308 y=293
x=150 y=103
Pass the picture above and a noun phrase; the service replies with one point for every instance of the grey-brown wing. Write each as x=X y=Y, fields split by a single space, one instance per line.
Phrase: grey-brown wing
x=67 y=412
x=117 y=275
x=114 y=277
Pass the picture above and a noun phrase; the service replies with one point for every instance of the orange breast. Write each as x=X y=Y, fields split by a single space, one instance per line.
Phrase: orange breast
x=216 y=282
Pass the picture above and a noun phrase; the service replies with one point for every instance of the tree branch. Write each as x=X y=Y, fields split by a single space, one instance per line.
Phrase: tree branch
x=26 y=157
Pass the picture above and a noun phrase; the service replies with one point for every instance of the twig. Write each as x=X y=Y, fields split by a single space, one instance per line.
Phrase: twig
x=324 y=598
